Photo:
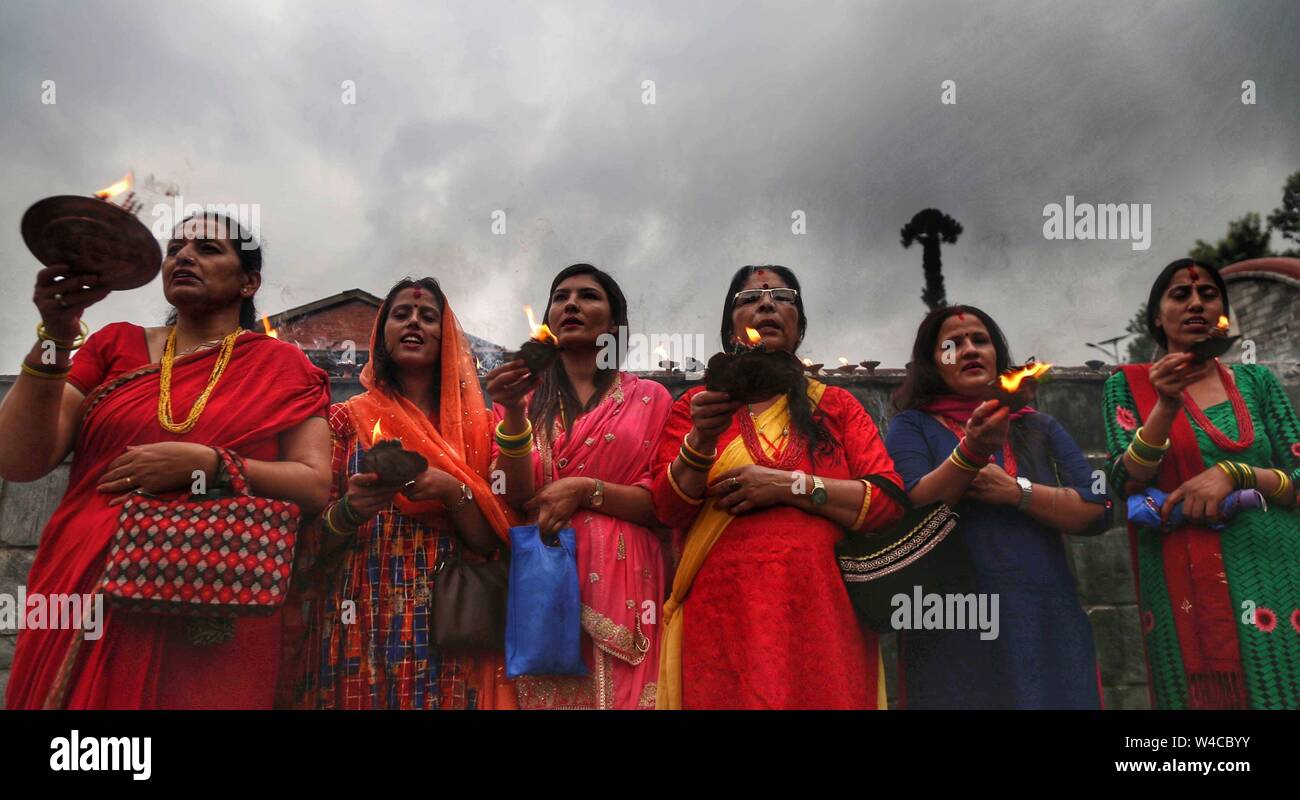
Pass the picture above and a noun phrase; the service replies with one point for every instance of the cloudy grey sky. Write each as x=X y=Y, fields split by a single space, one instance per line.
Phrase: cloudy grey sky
x=761 y=108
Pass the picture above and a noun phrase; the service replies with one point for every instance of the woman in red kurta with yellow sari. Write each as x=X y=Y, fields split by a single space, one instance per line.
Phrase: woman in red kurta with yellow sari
x=758 y=616
x=267 y=405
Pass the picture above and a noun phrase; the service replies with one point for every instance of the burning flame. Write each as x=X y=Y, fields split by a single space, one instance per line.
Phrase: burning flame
x=114 y=189
x=844 y=362
x=266 y=325
x=754 y=336
x=478 y=363
x=659 y=351
x=1011 y=380
x=541 y=333
x=1223 y=323
x=807 y=362
x=376 y=433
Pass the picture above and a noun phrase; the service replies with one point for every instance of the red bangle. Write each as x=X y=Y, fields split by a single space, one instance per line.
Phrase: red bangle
x=970 y=454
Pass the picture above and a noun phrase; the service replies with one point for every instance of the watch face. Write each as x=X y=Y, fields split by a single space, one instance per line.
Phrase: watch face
x=1023 y=482
x=818 y=495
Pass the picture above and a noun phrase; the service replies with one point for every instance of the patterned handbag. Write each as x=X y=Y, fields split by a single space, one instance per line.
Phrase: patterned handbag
x=923 y=549
x=224 y=554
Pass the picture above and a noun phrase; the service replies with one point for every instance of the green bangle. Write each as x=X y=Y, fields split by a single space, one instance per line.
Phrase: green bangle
x=962 y=461
x=1147 y=451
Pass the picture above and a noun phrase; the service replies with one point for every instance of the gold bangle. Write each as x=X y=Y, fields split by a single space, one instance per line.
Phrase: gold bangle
x=1137 y=459
x=695 y=501
x=42 y=374
x=63 y=344
x=1138 y=436
x=702 y=457
x=516 y=452
x=866 y=503
x=504 y=438
x=1233 y=477
x=959 y=464
x=1283 y=485
x=693 y=463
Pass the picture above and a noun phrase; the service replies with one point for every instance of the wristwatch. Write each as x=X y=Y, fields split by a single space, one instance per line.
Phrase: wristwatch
x=1026 y=489
x=597 y=495
x=466 y=496
x=818 y=494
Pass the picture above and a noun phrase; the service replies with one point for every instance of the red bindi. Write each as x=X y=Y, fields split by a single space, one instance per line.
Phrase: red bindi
x=416 y=294
x=1191 y=273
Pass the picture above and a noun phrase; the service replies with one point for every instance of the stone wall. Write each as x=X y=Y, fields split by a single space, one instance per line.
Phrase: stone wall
x=1100 y=564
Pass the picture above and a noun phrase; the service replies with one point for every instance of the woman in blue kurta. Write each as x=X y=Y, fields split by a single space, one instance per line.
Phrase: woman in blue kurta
x=1018 y=481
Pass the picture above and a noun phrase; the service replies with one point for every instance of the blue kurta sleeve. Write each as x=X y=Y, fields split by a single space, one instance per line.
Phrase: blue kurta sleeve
x=1075 y=473
x=908 y=446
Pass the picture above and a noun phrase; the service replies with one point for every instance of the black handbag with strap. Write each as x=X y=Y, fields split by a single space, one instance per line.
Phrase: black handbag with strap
x=923 y=549
x=469 y=607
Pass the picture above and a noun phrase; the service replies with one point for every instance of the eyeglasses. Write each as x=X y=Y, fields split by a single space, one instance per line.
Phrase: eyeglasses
x=781 y=295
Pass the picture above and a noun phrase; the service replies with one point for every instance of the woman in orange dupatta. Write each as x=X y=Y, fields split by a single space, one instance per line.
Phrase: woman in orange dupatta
x=758 y=616
x=588 y=466
x=267 y=403
x=367 y=641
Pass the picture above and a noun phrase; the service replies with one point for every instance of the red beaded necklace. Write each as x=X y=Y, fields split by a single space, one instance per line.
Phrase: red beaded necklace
x=1245 y=425
x=785 y=459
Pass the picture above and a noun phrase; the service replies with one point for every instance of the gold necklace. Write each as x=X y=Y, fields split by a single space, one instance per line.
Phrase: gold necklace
x=165 y=383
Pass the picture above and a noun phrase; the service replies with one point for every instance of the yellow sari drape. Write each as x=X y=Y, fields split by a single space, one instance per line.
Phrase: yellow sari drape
x=704 y=532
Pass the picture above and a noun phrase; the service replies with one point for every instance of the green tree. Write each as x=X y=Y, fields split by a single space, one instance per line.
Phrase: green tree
x=1141 y=347
x=1285 y=219
x=1247 y=238
x=930 y=227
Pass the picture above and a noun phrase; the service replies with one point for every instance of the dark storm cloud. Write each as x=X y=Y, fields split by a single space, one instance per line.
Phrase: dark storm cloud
x=761 y=109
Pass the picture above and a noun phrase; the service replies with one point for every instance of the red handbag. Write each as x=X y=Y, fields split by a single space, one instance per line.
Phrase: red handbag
x=206 y=556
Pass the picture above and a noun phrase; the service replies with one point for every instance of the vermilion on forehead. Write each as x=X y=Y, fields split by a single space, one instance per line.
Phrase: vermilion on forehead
x=769 y=280
x=953 y=327
x=202 y=229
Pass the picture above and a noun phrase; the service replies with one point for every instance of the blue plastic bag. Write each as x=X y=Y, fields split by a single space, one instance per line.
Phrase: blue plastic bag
x=544 y=612
x=1144 y=508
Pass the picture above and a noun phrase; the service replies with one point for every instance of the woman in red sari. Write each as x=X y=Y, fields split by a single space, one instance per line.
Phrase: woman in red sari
x=758 y=616
x=141 y=409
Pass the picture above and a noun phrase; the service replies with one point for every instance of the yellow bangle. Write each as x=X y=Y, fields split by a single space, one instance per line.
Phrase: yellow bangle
x=702 y=457
x=695 y=501
x=957 y=463
x=42 y=375
x=63 y=344
x=1137 y=459
x=1283 y=485
x=1138 y=436
x=504 y=438
x=866 y=503
x=516 y=452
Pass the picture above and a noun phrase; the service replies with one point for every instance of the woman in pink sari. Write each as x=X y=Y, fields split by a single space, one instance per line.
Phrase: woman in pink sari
x=575 y=443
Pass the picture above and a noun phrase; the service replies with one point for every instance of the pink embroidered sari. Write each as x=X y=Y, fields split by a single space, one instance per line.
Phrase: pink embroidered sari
x=620 y=565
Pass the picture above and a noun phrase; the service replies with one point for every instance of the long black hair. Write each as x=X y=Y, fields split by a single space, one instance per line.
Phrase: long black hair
x=555 y=389
x=924 y=382
x=1158 y=288
x=387 y=374
x=249 y=251
x=803 y=419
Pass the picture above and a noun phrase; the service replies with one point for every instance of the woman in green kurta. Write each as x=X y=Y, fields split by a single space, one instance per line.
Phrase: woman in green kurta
x=1220 y=607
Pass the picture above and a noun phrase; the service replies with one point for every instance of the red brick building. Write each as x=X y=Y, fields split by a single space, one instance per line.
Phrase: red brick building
x=334 y=332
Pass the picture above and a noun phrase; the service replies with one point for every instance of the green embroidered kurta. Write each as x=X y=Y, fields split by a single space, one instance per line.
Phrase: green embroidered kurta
x=1261 y=549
